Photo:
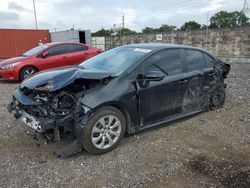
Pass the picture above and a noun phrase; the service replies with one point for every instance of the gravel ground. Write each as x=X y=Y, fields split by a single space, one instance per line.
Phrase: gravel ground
x=211 y=149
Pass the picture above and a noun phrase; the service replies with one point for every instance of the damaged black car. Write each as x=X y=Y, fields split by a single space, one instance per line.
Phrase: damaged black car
x=123 y=90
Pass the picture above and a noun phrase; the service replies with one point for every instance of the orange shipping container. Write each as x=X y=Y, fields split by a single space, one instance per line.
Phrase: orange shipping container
x=14 y=42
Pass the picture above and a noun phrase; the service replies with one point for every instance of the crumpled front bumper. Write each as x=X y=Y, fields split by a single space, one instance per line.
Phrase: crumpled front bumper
x=37 y=124
x=44 y=125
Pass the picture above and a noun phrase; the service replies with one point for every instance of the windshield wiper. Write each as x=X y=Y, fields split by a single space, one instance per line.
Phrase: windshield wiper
x=81 y=67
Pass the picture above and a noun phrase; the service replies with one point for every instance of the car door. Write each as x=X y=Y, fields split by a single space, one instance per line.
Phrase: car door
x=163 y=98
x=196 y=90
x=210 y=76
x=79 y=53
x=55 y=56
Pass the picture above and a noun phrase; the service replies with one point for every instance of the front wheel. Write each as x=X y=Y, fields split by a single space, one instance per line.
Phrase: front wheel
x=217 y=99
x=27 y=72
x=104 y=130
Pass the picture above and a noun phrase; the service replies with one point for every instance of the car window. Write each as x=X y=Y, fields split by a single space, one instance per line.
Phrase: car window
x=76 y=48
x=57 y=50
x=167 y=61
x=210 y=62
x=194 y=60
x=34 y=50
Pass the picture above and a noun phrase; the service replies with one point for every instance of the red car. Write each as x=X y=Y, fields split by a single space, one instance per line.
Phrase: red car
x=43 y=57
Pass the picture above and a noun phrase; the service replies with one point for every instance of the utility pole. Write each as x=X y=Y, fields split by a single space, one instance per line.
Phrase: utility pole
x=245 y=7
x=123 y=26
x=35 y=13
x=207 y=29
x=123 y=21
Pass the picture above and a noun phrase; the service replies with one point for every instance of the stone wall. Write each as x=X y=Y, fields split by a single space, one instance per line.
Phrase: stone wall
x=229 y=44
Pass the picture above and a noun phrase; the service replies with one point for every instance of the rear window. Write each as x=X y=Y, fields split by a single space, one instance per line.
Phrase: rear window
x=194 y=60
x=76 y=48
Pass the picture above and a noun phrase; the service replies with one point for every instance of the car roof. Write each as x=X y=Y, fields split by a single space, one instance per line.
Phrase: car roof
x=158 y=46
x=57 y=43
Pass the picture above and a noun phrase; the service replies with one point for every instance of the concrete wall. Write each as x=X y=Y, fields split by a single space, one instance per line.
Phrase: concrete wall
x=98 y=42
x=228 y=44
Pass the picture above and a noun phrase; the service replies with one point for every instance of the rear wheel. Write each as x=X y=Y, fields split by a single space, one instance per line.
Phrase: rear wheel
x=217 y=99
x=27 y=71
x=104 y=130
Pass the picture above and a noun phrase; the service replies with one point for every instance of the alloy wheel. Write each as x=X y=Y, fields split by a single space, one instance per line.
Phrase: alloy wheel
x=106 y=132
x=28 y=72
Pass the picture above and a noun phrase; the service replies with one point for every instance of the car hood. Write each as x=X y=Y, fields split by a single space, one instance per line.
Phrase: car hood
x=61 y=77
x=12 y=60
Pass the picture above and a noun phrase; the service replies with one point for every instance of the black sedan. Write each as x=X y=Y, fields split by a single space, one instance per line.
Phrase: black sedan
x=125 y=89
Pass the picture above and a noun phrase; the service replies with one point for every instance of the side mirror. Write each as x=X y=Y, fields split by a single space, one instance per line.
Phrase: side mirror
x=45 y=54
x=154 y=76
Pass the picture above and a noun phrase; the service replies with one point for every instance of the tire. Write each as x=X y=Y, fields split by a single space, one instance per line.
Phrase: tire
x=217 y=99
x=27 y=71
x=96 y=136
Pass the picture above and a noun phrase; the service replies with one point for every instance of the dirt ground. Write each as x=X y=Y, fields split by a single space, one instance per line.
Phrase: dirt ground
x=211 y=149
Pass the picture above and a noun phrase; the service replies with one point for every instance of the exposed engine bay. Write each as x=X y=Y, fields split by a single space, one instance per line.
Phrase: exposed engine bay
x=55 y=113
x=57 y=104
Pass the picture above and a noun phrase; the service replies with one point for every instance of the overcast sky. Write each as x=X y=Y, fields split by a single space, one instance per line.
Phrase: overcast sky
x=95 y=14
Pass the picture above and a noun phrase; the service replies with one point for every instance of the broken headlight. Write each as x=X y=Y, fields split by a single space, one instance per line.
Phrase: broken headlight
x=46 y=87
x=85 y=108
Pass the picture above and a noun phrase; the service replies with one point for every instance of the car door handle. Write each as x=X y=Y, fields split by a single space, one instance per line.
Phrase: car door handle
x=183 y=81
x=64 y=57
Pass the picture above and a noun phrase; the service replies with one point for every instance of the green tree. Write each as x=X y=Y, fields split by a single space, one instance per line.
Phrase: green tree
x=224 y=19
x=166 y=28
x=190 y=25
x=241 y=18
x=127 y=31
x=163 y=29
x=102 y=32
x=108 y=32
x=203 y=26
x=148 y=30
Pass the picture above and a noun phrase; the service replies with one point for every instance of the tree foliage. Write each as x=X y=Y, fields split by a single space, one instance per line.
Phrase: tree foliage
x=148 y=30
x=164 y=28
x=190 y=25
x=224 y=19
x=108 y=32
x=126 y=31
x=102 y=33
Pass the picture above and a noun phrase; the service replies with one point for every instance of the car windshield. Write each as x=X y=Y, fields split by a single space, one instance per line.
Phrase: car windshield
x=116 y=60
x=34 y=50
